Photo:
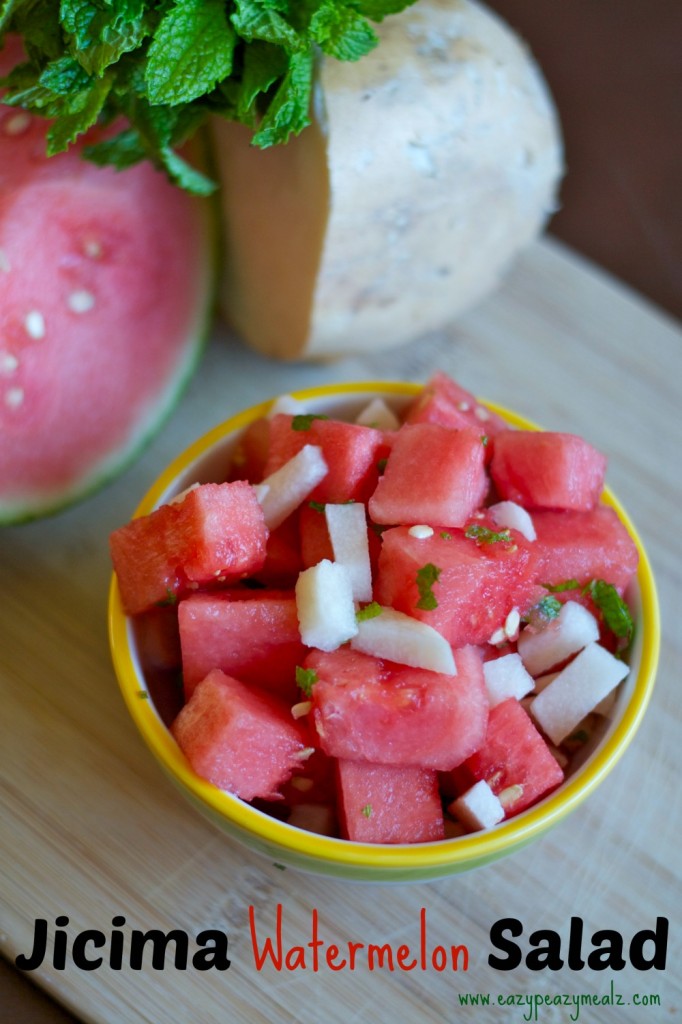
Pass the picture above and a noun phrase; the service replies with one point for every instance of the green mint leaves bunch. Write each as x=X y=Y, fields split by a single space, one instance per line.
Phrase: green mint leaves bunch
x=166 y=65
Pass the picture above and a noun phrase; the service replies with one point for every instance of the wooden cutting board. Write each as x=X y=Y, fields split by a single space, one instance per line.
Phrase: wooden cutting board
x=91 y=829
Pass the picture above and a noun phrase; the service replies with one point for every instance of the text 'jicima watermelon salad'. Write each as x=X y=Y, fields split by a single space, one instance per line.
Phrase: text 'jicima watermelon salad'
x=390 y=630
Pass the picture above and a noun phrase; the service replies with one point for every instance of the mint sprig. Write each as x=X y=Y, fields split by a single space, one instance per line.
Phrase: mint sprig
x=166 y=67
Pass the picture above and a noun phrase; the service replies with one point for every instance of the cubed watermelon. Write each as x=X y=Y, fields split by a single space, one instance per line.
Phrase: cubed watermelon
x=254 y=638
x=239 y=737
x=351 y=451
x=216 y=531
x=366 y=709
x=314 y=535
x=584 y=546
x=477 y=587
x=283 y=560
x=514 y=760
x=251 y=452
x=381 y=803
x=432 y=475
x=545 y=469
x=445 y=401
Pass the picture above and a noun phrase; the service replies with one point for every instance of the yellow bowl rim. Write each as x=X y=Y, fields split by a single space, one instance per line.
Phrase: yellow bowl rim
x=419 y=857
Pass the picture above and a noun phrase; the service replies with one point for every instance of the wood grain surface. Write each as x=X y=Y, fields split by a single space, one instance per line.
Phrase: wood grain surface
x=92 y=829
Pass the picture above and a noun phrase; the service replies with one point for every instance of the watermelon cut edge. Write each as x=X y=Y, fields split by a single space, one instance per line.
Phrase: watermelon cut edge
x=32 y=506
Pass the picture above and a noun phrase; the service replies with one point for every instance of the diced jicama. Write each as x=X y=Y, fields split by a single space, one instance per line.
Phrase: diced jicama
x=478 y=808
x=347 y=525
x=288 y=405
x=398 y=637
x=509 y=515
x=577 y=690
x=572 y=629
x=506 y=677
x=325 y=607
x=284 y=490
x=377 y=414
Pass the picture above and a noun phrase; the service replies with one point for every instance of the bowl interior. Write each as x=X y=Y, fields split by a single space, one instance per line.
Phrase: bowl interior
x=207 y=460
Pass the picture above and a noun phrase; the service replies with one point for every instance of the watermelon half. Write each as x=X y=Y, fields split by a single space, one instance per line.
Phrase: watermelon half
x=106 y=282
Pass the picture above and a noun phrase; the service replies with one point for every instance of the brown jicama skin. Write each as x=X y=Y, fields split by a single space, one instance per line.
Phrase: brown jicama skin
x=430 y=164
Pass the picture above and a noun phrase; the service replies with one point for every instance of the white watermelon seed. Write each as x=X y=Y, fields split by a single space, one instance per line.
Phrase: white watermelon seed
x=34 y=322
x=81 y=301
x=92 y=248
x=14 y=397
x=512 y=623
x=420 y=531
x=8 y=362
x=463 y=406
x=481 y=414
x=301 y=709
x=510 y=795
x=17 y=124
x=498 y=637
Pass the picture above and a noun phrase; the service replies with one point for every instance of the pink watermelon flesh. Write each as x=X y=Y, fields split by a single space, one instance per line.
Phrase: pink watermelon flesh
x=352 y=453
x=479 y=584
x=584 y=546
x=514 y=754
x=382 y=803
x=543 y=469
x=240 y=738
x=256 y=639
x=446 y=402
x=446 y=473
x=366 y=709
x=217 y=531
x=105 y=283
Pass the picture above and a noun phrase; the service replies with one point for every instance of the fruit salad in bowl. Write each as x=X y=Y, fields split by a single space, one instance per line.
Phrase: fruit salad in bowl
x=382 y=630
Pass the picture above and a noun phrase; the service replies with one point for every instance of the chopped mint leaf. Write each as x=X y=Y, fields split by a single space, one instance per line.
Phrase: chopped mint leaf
x=558 y=588
x=445 y=535
x=143 y=695
x=304 y=421
x=613 y=608
x=549 y=607
x=485 y=440
x=484 y=535
x=306 y=679
x=317 y=505
x=426 y=577
x=381 y=465
x=171 y=598
x=370 y=611
x=367 y=811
